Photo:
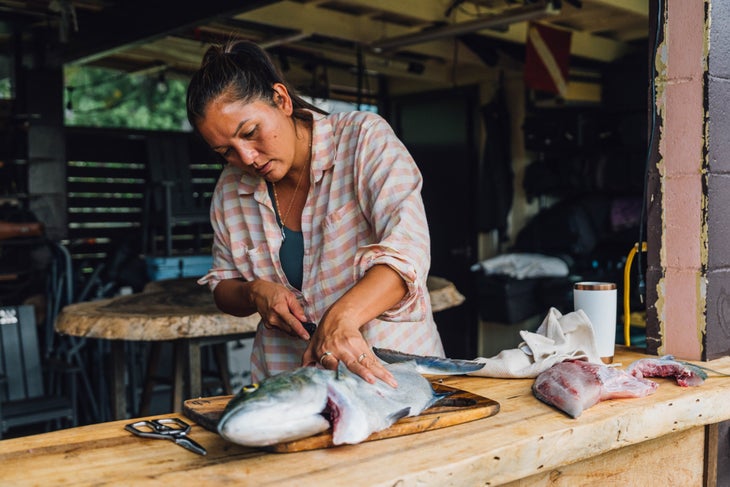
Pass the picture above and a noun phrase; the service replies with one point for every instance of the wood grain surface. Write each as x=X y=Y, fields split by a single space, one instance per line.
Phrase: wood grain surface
x=150 y=316
x=655 y=440
x=459 y=407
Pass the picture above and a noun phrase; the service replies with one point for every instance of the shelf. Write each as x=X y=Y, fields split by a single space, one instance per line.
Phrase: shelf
x=23 y=241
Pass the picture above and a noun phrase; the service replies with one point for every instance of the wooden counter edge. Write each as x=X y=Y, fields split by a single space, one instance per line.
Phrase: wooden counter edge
x=524 y=439
x=600 y=430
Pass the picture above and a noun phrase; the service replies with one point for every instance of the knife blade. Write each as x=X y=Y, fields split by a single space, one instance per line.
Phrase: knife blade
x=310 y=327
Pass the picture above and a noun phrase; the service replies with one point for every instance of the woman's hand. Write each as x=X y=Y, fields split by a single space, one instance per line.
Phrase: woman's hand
x=338 y=337
x=335 y=342
x=277 y=305
x=279 y=308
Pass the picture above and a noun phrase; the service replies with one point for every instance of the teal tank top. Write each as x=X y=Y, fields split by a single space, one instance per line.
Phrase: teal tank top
x=291 y=253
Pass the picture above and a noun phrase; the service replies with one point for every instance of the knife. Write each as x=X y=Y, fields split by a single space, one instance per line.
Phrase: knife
x=310 y=327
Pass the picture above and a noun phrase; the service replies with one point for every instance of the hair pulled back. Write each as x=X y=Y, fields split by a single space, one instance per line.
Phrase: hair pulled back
x=241 y=71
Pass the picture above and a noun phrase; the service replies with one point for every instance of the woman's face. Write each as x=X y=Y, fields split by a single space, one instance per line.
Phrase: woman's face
x=257 y=136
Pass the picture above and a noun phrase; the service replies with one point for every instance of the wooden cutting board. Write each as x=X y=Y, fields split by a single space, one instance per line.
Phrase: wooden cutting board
x=460 y=407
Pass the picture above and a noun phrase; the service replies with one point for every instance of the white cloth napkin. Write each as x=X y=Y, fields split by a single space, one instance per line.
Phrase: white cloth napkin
x=559 y=338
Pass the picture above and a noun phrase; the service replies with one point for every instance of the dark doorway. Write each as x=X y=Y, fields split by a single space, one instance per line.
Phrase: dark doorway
x=439 y=130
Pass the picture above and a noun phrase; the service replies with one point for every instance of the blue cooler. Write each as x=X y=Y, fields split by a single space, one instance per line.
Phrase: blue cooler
x=159 y=268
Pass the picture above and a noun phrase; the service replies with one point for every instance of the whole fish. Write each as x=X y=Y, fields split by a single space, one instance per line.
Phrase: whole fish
x=575 y=385
x=306 y=401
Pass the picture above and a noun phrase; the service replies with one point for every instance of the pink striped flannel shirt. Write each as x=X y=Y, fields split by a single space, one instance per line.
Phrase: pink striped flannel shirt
x=363 y=208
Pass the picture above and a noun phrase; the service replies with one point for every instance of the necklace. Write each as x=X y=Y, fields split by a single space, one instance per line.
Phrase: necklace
x=283 y=218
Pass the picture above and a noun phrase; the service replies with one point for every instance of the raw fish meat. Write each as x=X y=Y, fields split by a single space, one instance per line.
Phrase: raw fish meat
x=575 y=385
x=686 y=374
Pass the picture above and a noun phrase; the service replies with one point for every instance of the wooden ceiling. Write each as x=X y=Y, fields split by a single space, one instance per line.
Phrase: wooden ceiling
x=428 y=41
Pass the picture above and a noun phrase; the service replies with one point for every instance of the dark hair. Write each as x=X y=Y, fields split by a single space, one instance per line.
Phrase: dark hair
x=242 y=71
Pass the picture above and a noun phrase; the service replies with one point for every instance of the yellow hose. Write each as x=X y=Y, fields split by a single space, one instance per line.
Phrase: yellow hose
x=627 y=293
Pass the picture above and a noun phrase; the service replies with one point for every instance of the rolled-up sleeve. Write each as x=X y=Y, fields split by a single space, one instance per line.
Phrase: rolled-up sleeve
x=223 y=263
x=388 y=185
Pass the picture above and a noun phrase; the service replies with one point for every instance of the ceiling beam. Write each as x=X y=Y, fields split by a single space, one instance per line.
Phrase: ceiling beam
x=134 y=22
x=582 y=44
x=364 y=31
x=430 y=71
x=639 y=7
x=431 y=11
x=425 y=11
x=527 y=13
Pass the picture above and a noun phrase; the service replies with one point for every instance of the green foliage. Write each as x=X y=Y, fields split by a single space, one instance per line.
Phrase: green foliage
x=97 y=97
x=5 y=88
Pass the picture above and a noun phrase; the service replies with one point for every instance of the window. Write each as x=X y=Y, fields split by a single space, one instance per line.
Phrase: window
x=98 y=97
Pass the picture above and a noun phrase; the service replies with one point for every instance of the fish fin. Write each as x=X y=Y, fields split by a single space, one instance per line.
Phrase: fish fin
x=441 y=396
x=341 y=370
x=399 y=414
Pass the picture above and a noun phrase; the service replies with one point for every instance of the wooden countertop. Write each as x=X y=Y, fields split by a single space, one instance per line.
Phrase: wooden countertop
x=525 y=438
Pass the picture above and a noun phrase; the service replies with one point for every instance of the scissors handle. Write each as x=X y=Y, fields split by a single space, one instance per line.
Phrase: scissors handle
x=173 y=429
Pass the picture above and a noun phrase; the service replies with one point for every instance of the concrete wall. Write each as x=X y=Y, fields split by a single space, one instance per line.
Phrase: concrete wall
x=688 y=228
x=677 y=229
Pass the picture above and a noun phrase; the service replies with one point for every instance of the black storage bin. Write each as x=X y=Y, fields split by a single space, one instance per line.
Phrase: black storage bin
x=508 y=300
x=557 y=292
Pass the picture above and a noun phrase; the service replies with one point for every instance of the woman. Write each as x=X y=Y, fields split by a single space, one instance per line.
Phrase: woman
x=316 y=218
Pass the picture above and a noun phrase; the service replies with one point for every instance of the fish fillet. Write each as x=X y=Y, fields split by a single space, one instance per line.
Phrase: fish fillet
x=686 y=374
x=573 y=386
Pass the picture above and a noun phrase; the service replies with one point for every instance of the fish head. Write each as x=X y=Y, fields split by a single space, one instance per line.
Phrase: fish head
x=358 y=408
x=283 y=407
x=350 y=407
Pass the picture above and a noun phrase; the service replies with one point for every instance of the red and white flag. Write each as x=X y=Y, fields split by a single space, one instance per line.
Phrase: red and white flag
x=547 y=58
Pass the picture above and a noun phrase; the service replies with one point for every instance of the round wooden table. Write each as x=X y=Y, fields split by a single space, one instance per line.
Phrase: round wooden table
x=181 y=312
x=180 y=309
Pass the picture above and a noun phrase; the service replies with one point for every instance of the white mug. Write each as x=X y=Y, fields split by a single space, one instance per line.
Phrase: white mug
x=598 y=302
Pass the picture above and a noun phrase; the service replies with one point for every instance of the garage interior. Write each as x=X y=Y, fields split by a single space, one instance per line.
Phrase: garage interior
x=507 y=167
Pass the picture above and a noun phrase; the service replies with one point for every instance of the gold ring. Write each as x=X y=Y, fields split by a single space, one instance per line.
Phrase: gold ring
x=361 y=357
x=324 y=356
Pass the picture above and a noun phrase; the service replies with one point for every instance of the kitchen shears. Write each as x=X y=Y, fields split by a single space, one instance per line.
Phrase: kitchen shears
x=173 y=429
